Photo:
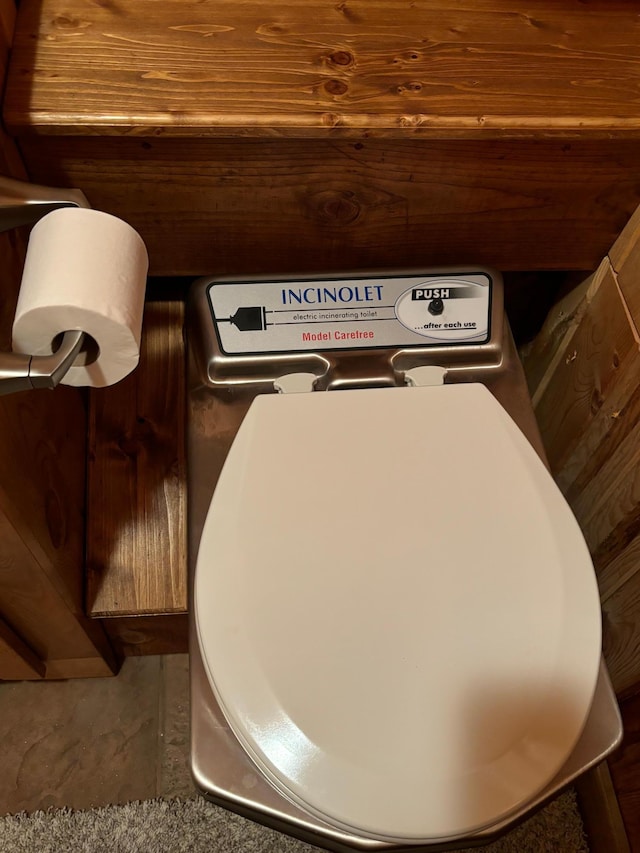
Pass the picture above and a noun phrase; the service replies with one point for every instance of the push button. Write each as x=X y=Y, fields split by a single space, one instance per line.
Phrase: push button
x=436 y=306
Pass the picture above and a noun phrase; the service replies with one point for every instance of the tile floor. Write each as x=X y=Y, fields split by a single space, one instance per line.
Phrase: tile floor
x=91 y=742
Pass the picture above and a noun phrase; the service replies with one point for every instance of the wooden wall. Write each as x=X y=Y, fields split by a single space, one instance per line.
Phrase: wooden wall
x=285 y=205
x=310 y=135
x=43 y=630
x=584 y=376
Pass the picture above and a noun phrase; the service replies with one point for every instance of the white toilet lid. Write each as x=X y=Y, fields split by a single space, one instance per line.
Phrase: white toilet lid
x=396 y=609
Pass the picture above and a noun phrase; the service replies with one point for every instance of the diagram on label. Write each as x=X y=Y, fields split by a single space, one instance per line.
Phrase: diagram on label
x=255 y=317
x=248 y=319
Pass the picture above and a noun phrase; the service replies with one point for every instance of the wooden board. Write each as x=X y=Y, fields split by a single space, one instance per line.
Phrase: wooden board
x=572 y=400
x=42 y=481
x=36 y=606
x=136 y=539
x=42 y=484
x=615 y=573
x=621 y=636
x=303 y=67
x=544 y=353
x=625 y=260
x=17 y=661
x=587 y=400
x=7 y=23
x=600 y=812
x=149 y=635
x=625 y=770
x=314 y=136
x=586 y=363
x=12 y=243
x=269 y=206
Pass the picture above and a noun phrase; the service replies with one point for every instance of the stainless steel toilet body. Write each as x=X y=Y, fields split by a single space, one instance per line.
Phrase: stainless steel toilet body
x=220 y=390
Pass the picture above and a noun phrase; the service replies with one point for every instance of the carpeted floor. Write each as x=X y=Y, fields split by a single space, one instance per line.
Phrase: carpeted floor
x=195 y=826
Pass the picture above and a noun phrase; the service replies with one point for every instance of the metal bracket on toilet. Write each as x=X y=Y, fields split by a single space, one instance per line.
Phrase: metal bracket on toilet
x=24 y=204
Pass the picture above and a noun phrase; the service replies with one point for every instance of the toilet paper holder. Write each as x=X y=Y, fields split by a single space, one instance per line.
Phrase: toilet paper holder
x=24 y=204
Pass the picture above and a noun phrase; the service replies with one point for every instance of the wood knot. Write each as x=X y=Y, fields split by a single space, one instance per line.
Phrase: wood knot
x=341 y=57
x=413 y=86
x=336 y=207
x=139 y=437
x=336 y=87
x=64 y=22
x=275 y=29
x=411 y=120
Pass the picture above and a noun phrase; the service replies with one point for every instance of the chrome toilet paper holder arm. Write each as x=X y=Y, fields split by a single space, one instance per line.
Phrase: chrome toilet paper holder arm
x=24 y=204
x=21 y=371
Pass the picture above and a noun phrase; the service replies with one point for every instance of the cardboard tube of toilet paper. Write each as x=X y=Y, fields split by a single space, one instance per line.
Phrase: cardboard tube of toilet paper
x=84 y=270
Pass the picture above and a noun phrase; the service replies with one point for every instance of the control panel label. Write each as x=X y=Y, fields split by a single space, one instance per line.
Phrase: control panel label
x=351 y=313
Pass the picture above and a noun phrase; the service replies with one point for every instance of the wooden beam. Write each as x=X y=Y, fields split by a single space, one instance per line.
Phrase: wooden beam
x=269 y=206
x=309 y=67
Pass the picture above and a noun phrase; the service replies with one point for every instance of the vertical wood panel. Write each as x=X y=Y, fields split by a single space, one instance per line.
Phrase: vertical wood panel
x=625 y=770
x=625 y=259
x=42 y=481
x=544 y=353
x=586 y=368
x=600 y=812
x=612 y=423
x=137 y=481
x=587 y=400
x=17 y=660
x=32 y=604
x=7 y=24
x=621 y=636
x=42 y=484
x=609 y=506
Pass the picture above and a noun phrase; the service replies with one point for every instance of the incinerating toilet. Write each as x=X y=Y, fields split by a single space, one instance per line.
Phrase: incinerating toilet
x=396 y=625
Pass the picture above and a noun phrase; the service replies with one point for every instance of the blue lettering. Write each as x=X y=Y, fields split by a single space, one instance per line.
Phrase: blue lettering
x=315 y=295
x=289 y=296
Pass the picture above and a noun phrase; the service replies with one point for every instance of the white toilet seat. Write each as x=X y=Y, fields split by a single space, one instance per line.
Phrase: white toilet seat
x=396 y=609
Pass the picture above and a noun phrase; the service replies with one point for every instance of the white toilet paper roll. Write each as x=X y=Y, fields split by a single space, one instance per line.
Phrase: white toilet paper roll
x=84 y=270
